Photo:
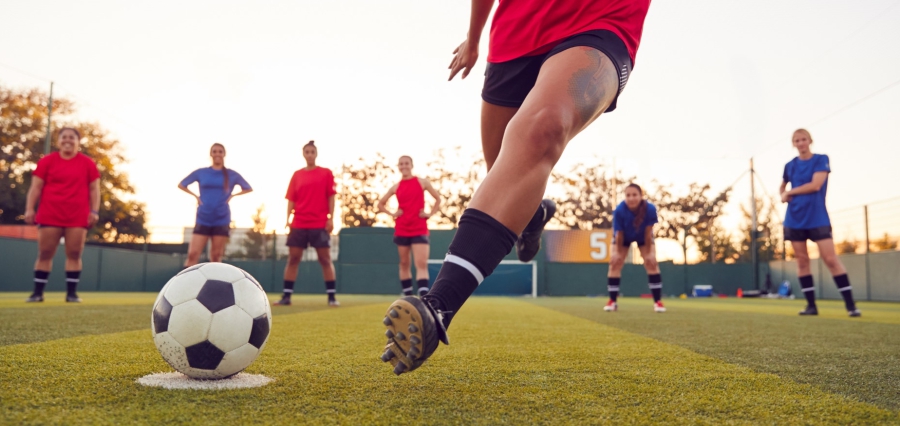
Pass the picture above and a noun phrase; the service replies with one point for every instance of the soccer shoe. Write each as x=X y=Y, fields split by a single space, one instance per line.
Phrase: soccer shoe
x=334 y=303
x=414 y=328
x=611 y=306
x=285 y=301
x=854 y=313
x=73 y=298
x=810 y=310
x=529 y=243
x=658 y=307
x=35 y=298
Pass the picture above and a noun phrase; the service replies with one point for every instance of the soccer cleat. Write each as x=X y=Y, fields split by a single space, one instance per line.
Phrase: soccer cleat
x=810 y=310
x=73 y=298
x=529 y=243
x=285 y=301
x=854 y=313
x=35 y=298
x=611 y=306
x=334 y=303
x=414 y=329
x=658 y=307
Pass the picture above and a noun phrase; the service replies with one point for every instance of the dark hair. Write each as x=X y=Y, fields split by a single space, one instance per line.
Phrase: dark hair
x=642 y=208
x=77 y=133
x=406 y=156
x=225 y=186
x=312 y=144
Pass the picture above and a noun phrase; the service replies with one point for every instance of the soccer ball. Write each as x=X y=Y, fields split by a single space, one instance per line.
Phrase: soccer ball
x=211 y=321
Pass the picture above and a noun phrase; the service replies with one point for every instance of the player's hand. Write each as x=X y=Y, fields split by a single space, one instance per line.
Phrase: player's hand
x=785 y=197
x=329 y=226
x=397 y=213
x=29 y=217
x=93 y=218
x=200 y=203
x=423 y=215
x=464 y=58
x=229 y=199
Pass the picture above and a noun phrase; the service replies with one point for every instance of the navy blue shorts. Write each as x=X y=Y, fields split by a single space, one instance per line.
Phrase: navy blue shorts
x=508 y=83
x=212 y=231
x=626 y=242
x=303 y=238
x=408 y=241
x=812 y=234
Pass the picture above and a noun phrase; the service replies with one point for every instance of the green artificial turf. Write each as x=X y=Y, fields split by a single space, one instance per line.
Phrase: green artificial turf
x=511 y=361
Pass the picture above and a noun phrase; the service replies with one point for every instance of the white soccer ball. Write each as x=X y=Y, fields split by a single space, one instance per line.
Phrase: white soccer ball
x=211 y=321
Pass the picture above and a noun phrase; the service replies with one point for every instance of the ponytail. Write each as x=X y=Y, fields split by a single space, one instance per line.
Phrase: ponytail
x=642 y=207
x=225 y=186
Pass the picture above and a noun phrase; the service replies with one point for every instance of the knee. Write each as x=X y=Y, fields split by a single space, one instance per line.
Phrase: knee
x=545 y=132
x=73 y=254
x=404 y=263
x=325 y=261
x=422 y=264
x=831 y=261
x=802 y=259
x=293 y=260
x=617 y=262
x=650 y=263
x=46 y=254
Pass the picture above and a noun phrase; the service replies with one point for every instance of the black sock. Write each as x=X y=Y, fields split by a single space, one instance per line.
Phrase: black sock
x=72 y=278
x=843 y=285
x=288 y=289
x=329 y=288
x=809 y=290
x=477 y=248
x=407 y=286
x=423 y=286
x=655 y=284
x=612 y=285
x=537 y=220
x=40 y=281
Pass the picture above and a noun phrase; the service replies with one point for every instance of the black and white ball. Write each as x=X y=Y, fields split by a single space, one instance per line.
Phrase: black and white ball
x=211 y=321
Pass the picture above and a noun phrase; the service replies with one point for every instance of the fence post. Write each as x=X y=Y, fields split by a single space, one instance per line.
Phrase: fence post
x=868 y=277
x=273 y=280
x=144 y=275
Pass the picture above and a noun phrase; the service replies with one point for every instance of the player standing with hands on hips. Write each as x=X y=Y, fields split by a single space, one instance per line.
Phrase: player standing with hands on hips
x=67 y=184
x=554 y=66
x=310 y=197
x=411 y=228
x=807 y=219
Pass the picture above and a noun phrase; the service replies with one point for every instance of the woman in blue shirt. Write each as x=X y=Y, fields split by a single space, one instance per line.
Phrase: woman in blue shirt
x=216 y=184
x=807 y=219
x=633 y=222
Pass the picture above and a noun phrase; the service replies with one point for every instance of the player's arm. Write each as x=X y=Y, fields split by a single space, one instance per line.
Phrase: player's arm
x=94 y=215
x=382 y=203
x=812 y=187
x=329 y=224
x=783 y=191
x=435 y=194
x=185 y=189
x=648 y=235
x=466 y=54
x=290 y=211
x=243 y=191
x=245 y=187
x=34 y=193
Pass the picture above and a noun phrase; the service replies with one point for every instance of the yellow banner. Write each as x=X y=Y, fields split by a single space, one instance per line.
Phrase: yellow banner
x=578 y=246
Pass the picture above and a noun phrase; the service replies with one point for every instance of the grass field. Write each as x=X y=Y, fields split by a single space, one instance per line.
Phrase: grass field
x=512 y=360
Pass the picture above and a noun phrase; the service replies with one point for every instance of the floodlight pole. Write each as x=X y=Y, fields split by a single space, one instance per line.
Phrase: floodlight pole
x=49 y=120
x=753 y=227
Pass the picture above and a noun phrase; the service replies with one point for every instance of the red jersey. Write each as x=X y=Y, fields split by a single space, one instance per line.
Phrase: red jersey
x=309 y=190
x=66 y=196
x=531 y=27
x=411 y=199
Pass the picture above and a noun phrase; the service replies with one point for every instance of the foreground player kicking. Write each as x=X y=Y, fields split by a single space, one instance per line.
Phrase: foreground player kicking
x=553 y=67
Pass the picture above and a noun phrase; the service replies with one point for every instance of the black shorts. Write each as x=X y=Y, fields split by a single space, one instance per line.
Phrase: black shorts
x=408 y=241
x=626 y=242
x=212 y=231
x=812 y=234
x=508 y=83
x=63 y=227
x=303 y=238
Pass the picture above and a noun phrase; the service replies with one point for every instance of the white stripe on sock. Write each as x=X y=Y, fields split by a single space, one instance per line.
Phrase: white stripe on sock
x=40 y=280
x=330 y=291
x=612 y=288
x=72 y=280
x=808 y=289
x=467 y=265
x=655 y=286
x=288 y=290
x=848 y=288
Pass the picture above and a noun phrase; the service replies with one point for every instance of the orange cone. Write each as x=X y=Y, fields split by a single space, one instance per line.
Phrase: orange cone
x=740 y=292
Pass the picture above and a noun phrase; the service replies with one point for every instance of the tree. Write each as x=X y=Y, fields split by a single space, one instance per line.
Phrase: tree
x=23 y=120
x=688 y=216
x=885 y=243
x=255 y=244
x=363 y=184
x=720 y=247
x=846 y=247
x=455 y=176
x=589 y=196
x=767 y=233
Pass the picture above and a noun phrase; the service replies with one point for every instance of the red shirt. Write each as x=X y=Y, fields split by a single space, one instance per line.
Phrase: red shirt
x=66 y=196
x=309 y=190
x=410 y=199
x=531 y=27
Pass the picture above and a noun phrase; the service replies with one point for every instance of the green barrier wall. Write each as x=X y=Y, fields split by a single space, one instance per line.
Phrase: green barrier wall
x=874 y=276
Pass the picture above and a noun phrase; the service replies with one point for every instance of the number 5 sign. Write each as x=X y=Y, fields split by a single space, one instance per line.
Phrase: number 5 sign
x=578 y=246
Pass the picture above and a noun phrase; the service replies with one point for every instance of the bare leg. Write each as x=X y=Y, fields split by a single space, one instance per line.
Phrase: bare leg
x=830 y=257
x=420 y=256
x=648 y=253
x=494 y=119
x=198 y=243
x=48 y=241
x=324 y=255
x=293 y=263
x=802 y=256
x=405 y=264
x=217 y=249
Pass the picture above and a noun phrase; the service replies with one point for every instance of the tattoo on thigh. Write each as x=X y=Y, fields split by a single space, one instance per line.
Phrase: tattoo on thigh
x=587 y=86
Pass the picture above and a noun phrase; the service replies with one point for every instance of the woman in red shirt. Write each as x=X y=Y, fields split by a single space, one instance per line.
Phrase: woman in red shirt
x=310 y=198
x=411 y=229
x=554 y=66
x=67 y=184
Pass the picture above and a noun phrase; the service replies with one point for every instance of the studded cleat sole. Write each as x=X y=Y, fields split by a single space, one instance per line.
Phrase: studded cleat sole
x=412 y=334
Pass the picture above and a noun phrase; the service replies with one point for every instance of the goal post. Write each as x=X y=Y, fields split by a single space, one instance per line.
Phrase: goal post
x=510 y=278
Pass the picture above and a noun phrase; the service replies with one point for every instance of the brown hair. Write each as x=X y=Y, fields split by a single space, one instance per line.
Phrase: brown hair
x=406 y=156
x=225 y=186
x=642 y=208
x=803 y=131
x=77 y=133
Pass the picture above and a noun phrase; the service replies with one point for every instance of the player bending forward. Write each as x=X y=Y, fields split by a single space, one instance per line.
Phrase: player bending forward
x=553 y=67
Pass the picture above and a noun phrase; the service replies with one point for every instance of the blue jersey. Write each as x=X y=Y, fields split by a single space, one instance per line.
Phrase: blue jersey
x=623 y=221
x=807 y=211
x=213 y=209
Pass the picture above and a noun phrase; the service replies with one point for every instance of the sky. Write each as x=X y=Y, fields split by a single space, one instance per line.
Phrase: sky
x=715 y=83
